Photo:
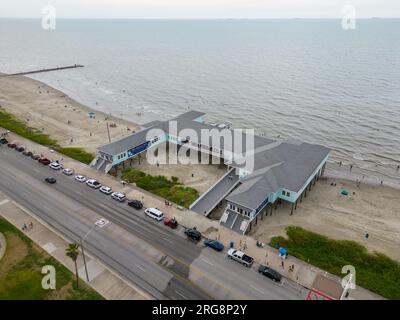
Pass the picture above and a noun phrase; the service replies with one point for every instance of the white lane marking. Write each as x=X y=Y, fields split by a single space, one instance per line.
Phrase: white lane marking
x=4 y=202
x=139 y=267
x=260 y=291
x=206 y=261
x=36 y=170
x=168 y=240
x=177 y=292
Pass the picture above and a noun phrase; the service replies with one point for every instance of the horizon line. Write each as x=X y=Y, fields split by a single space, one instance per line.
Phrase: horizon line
x=269 y=18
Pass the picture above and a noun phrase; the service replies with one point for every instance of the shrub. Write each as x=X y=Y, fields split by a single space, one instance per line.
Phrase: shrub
x=374 y=271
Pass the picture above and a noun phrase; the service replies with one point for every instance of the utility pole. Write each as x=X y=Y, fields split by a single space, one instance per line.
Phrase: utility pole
x=108 y=132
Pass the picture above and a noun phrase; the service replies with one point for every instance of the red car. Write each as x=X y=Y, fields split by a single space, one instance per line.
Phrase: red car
x=172 y=223
x=44 y=161
x=12 y=145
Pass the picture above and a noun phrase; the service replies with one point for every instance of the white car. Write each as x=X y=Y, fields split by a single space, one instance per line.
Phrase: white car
x=119 y=196
x=93 y=183
x=80 y=178
x=106 y=190
x=55 y=166
x=68 y=172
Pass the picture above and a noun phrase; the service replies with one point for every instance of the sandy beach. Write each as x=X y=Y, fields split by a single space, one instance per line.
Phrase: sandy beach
x=373 y=208
x=56 y=114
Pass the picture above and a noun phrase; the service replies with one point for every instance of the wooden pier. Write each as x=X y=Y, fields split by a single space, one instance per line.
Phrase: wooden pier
x=42 y=70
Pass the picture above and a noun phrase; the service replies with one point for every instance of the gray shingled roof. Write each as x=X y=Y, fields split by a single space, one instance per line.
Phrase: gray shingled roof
x=287 y=165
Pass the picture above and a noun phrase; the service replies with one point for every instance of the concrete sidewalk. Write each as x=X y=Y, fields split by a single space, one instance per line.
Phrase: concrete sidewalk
x=303 y=273
x=104 y=281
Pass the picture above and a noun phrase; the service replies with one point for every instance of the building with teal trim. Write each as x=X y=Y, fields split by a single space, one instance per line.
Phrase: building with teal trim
x=282 y=170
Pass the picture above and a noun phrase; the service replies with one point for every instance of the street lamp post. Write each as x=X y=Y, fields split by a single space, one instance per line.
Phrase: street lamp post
x=83 y=251
x=99 y=223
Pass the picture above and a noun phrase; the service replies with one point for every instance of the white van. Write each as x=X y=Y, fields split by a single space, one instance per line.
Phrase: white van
x=154 y=213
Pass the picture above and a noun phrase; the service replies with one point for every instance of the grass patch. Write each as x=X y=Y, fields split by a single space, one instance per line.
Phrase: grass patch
x=76 y=153
x=374 y=271
x=21 y=277
x=171 y=190
x=9 y=122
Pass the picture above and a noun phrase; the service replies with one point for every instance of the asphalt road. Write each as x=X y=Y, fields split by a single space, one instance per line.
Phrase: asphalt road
x=158 y=259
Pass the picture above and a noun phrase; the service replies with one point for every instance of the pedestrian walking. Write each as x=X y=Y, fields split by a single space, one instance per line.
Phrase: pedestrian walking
x=283 y=264
x=351 y=167
x=31 y=225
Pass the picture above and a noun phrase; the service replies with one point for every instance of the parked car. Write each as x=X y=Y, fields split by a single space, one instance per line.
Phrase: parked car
x=50 y=180
x=240 y=257
x=119 y=196
x=135 y=204
x=55 y=165
x=214 y=244
x=27 y=153
x=172 y=223
x=68 y=172
x=80 y=178
x=35 y=157
x=20 y=148
x=270 y=273
x=12 y=145
x=93 y=183
x=193 y=234
x=44 y=161
x=154 y=213
x=106 y=190
x=3 y=141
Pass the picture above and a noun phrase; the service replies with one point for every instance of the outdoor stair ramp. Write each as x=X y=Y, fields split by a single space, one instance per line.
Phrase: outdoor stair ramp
x=210 y=199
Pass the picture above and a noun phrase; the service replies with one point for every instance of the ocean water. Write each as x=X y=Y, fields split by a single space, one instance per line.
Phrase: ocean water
x=304 y=79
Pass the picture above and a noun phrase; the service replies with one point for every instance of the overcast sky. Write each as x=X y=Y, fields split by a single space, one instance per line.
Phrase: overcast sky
x=199 y=9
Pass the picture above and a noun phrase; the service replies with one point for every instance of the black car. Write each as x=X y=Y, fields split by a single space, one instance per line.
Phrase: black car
x=3 y=141
x=193 y=234
x=270 y=273
x=27 y=153
x=50 y=180
x=135 y=204
x=20 y=148
x=214 y=244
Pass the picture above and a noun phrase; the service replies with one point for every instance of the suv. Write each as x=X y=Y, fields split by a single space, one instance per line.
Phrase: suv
x=193 y=234
x=135 y=204
x=44 y=161
x=118 y=196
x=55 y=165
x=270 y=273
x=93 y=183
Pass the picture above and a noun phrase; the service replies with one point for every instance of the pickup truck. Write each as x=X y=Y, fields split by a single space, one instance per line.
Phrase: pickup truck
x=241 y=257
